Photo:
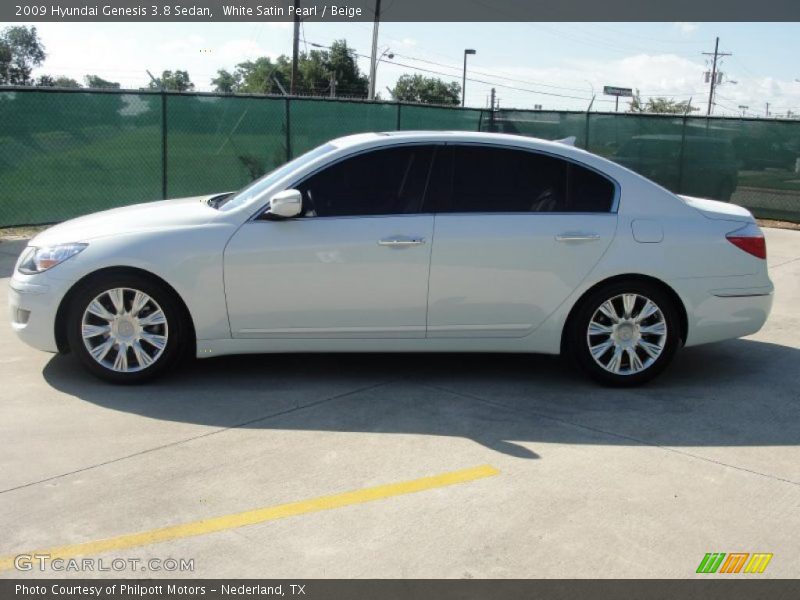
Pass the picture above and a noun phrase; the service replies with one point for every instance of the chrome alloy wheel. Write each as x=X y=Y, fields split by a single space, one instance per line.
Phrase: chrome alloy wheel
x=124 y=330
x=627 y=334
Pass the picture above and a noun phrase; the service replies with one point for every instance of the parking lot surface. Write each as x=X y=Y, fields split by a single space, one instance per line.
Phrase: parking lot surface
x=410 y=466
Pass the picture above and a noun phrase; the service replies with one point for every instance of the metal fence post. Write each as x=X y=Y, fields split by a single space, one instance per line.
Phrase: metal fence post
x=288 y=128
x=163 y=144
x=681 y=155
x=586 y=132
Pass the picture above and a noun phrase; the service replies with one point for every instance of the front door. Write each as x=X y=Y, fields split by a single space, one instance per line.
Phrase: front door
x=355 y=265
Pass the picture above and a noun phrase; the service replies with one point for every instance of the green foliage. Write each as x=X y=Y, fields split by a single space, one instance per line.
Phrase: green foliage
x=20 y=51
x=96 y=82
x=314 y=71
x=226 y=82
x=62 y=82
x=660 y=105
x=176 y=81
x=426 y=90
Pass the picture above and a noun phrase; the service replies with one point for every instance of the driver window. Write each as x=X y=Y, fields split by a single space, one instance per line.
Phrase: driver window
x=379 y=182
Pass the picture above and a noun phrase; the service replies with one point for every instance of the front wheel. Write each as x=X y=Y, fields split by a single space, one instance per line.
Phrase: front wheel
x=624 y=334
x=125 y=329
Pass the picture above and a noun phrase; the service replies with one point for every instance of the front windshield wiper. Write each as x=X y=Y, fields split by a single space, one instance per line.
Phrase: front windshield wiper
x=219 y=200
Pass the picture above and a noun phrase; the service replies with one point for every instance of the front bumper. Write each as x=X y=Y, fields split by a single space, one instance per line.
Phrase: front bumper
x=33 y=308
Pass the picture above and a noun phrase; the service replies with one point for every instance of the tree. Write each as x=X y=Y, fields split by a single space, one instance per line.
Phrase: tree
x=660 y=105
x=226 y=82
x=96 y=82
x=177 y=81
x=426 y=90
x=62 y=82
x=315 y=69
x=20 y=51
x=341 y=62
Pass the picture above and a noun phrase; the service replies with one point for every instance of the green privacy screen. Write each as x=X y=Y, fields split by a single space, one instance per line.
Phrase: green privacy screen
x=218 y=144
x=69 y=153
x=751 y=162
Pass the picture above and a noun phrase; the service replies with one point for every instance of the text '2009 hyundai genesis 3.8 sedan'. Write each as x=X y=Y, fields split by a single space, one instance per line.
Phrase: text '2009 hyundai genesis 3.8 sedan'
x=402 y=242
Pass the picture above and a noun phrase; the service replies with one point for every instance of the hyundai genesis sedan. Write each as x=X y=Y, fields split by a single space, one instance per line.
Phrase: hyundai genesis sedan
x=402 y=242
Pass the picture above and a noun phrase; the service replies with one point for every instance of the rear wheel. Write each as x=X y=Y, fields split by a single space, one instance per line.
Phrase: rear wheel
x=625 y=333
x=126 y=329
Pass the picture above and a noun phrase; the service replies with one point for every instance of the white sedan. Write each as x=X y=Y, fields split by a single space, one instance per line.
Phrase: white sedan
x=402 y=242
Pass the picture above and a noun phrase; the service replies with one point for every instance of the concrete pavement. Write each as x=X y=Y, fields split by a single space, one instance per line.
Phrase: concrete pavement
x=592 y=482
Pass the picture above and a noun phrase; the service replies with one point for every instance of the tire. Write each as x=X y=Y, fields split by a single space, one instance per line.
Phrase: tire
x=129 y=311
x=633 y=349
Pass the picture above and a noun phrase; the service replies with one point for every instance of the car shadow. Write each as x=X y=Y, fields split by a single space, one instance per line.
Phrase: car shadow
x=735 y=393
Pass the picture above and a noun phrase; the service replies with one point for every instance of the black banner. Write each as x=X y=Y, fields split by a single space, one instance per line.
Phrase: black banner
x=735 y=588
x=399 y=10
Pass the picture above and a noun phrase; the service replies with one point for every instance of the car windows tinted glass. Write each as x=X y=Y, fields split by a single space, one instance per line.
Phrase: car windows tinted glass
x=589 y=191
x=486 y=179
x=254 y=190
x=379 y=182
x=502 y=180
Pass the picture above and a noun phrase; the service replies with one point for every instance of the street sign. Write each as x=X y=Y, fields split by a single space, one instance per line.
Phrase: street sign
x=610 y=90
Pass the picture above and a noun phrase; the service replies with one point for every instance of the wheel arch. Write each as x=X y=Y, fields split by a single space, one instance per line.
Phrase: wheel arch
x=628 y=277
x=60 y=321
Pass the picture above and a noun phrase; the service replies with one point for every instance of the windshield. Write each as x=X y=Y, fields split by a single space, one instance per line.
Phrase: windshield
x=257 y=187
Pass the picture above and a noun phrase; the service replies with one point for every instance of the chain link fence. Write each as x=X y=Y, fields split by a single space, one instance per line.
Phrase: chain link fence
x=68 y=153
x=751 y=162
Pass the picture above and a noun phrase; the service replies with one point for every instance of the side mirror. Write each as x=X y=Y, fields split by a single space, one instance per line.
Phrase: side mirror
x=286 y=204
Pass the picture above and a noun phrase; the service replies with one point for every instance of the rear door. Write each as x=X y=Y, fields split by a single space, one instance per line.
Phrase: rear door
x=516 y=232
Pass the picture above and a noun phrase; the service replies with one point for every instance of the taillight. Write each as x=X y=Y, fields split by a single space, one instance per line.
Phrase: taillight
x=750 y=239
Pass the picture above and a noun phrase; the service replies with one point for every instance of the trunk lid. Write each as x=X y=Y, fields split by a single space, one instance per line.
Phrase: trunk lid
x=714 y=209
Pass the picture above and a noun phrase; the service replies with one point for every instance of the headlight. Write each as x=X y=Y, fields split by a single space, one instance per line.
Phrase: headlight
x=35 y=260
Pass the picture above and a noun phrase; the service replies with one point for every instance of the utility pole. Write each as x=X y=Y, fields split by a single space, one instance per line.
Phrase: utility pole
x=333 y=85
x=713 y=81
x=491 y=111
x=295 y=48
x=766 y=112
x=467 y=52
x=373 y=63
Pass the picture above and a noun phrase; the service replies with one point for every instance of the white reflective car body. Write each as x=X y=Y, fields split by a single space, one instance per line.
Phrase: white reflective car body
x=418 y=280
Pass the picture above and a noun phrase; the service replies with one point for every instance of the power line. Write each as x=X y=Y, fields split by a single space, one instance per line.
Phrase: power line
x=647 y=94
x=474 y=80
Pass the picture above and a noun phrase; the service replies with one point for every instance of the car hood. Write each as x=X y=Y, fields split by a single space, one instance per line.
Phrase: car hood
x=150 y=216
x=714 y=209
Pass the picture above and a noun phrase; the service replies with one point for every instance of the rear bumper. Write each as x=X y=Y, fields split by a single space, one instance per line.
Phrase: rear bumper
x=729 y=313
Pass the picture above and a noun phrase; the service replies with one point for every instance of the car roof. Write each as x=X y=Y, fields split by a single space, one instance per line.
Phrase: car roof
x=388 y=138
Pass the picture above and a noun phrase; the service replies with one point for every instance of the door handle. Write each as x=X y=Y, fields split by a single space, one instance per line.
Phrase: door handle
x=401 y=242
x=577 y=236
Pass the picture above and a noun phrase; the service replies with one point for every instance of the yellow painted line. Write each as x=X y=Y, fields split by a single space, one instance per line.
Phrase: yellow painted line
x=260 y=515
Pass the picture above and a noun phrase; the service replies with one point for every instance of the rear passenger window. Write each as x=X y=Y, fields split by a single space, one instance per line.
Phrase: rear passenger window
x=490 y=179
x=589 y=191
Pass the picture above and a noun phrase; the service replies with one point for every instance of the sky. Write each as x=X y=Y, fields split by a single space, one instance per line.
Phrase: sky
x=555 y=65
